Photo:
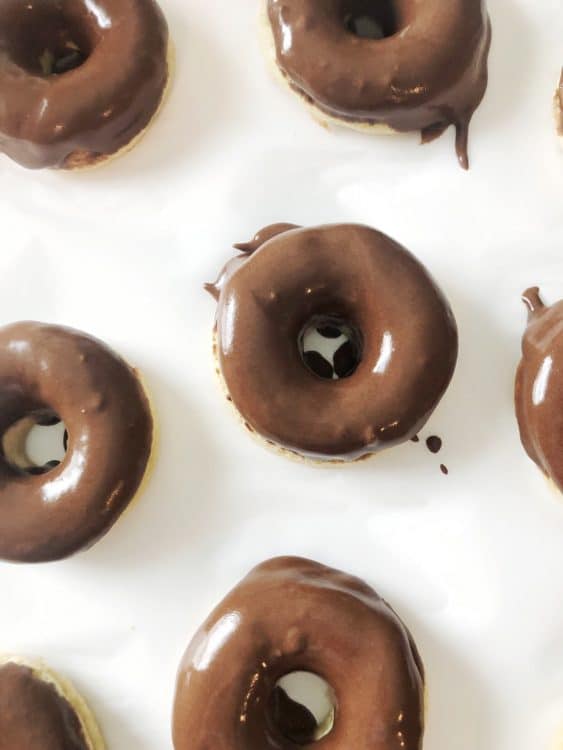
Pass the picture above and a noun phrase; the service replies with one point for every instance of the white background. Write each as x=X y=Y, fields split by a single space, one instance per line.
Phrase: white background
x=473 y=561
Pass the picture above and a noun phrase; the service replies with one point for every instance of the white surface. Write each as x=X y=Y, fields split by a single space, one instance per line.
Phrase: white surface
x=472 y=561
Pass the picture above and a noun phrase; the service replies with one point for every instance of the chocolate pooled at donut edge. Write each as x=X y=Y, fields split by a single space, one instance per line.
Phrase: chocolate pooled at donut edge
x=80 y=80
x=295 y=615
x=398 y=65
x=338 y=279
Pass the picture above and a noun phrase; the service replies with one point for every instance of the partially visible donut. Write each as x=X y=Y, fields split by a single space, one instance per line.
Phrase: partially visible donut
x=80 y=80
x=289 y=615
x=400 y=65
x=539 y=386
x=51 y=371
x=401 y=327
x=558 y=107
x=39 y=710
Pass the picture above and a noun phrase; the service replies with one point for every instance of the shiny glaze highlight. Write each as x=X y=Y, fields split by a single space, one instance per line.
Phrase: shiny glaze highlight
x=93 y=111
x=100 y=400
x=429 y=74
x=539 y=386
x=287 y=276
x=291 y=614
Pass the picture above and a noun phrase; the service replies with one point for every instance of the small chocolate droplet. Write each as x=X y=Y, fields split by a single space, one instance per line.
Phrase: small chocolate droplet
x=65 y=440
x=318 y=364
x=434 y=444
x=415 y=439
x=444 y=469
x=345 y=360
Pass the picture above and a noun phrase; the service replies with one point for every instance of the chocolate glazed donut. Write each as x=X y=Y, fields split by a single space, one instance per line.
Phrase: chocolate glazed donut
x=539 y=386
x=404 y=64
x=289 y=615
x=80 y=80
x=53 y=372
x=405 y=331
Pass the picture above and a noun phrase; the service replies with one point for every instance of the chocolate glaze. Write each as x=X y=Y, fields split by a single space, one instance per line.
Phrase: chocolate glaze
x=539 y=386
x=558 y=106
x=409 y=339
x=100 y=399
x=428 y=73
x=92 y=110
x=33 y=716
x=288 y=615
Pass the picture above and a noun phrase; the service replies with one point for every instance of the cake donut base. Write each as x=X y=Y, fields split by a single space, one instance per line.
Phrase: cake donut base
x=66 y=690
x=82 y=161
x=327 y=463
x=323 y=118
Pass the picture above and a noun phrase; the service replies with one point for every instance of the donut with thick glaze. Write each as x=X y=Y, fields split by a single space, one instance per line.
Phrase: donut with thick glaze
x=400 y=65
x=287 y=615
x=48 y=372
x=288 y=276
x=80 y=80
x=539 y=386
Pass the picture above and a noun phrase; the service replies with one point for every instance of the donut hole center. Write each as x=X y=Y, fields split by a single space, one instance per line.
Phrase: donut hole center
x=330 y=347
x=46 y=42
x=302 y=707
x=371 y=19
x=36 y=443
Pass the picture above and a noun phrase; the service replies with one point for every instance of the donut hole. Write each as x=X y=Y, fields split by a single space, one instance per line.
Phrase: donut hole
x=36 y=443
x=46 y=41
x=330 y=347
x=371 y=19
x=302 y=707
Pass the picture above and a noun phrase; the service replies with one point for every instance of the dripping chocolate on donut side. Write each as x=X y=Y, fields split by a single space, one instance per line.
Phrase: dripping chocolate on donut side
x=402 y=329
x=401 y=64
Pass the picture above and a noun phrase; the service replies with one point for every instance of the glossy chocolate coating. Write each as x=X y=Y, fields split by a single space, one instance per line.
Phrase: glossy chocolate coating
x=429 y=74
x=288 y=615
x=33 y=716
x=408 y=332
x=100 y=399
x=539 y=386
x=94 y=110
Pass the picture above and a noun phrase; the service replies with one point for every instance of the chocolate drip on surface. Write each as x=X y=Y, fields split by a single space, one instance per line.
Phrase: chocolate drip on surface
x=351 y=273
x=428 y=71
x=102 y=403
x=76 y=84
x=539 y=386
x=434 y=444
x=33 y=716
x=288 y=615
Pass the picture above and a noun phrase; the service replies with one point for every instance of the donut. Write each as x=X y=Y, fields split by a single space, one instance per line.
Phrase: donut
x=395 y=367
x=558 y=106
x=393 y=66
x=39 y=710
x=539 y=386
x=80 y=80
x=49 y=372
x=294 y=615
